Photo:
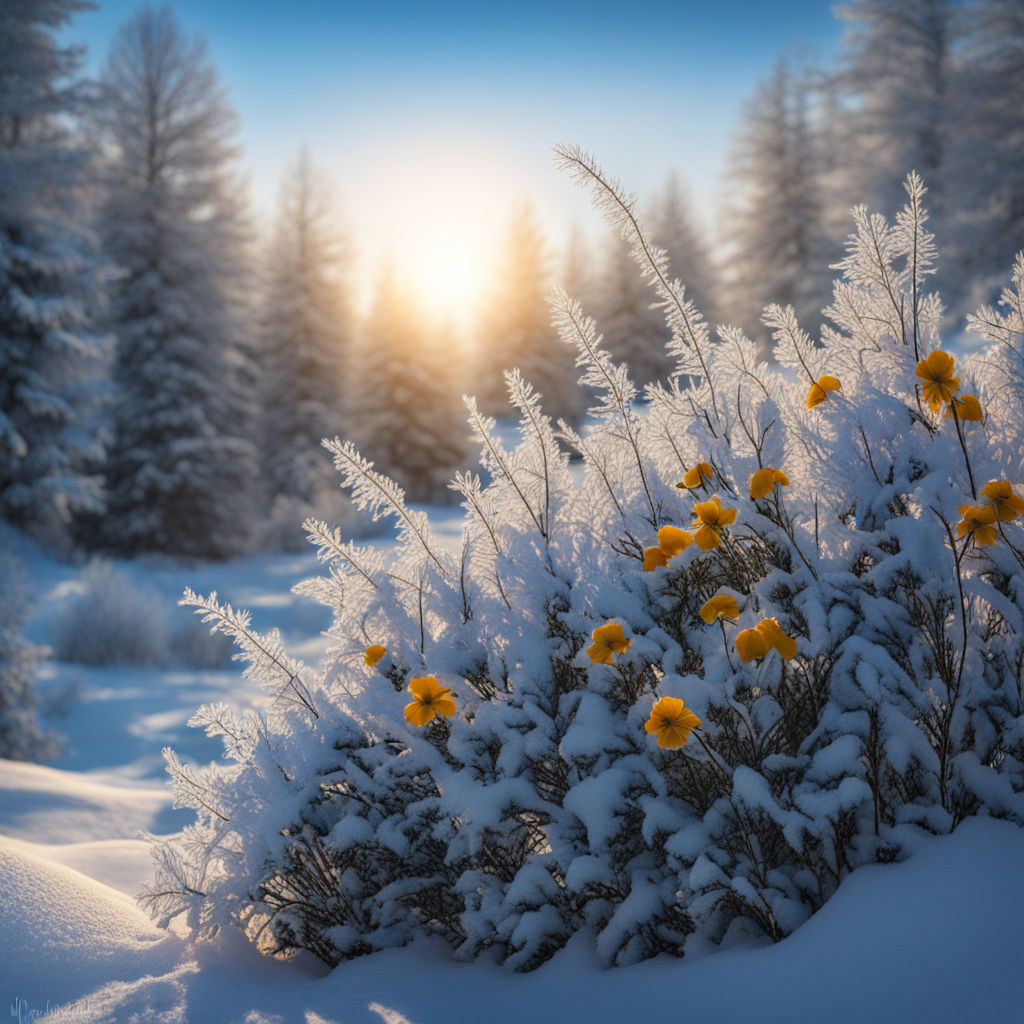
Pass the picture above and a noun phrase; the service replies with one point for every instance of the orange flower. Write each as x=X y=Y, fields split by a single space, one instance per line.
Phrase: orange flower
x=764 y=480
x=754 y=644
x=608 y=639
x=721 y=606
x=979 y=523
x=967 y=408
x=692 y=477
x=712 y=519
x=430 y=698
x=373 y=654
x=671 y=542
x=1007 y=503
x=820 y=389
x=672 y=721
x=936 y=372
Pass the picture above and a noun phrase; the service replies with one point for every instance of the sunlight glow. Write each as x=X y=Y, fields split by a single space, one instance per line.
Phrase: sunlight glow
x=447 y=275
x=437 y=209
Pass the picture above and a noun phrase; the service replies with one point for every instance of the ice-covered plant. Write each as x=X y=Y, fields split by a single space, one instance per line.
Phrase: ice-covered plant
x=764 y=636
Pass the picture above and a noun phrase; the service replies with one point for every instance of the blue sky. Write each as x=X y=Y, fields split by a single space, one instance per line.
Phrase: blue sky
x=436 y=118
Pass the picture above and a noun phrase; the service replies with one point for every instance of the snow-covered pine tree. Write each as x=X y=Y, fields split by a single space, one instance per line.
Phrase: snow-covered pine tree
x=777 y=248
x=577 y=273
x=634 y=332
x=513 y=329
x=21 y=737
x=896 y=80
x=307 y=324
x=632 y=325
x=402 y=398
x=987 y=149
x=181 y=468
x=675 y=228
x=51 y=352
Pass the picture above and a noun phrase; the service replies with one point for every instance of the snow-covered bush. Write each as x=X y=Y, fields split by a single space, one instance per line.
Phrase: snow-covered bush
x=771 y=633
x=112 y=621
x=21 y=736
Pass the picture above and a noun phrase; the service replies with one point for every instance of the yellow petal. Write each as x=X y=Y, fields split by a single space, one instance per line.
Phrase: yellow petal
x=706 y=538
x=751 y=645
x=775 y=637
x=653 y=558
x=673 y=541
x=721 y=606
x=761 y=482
x=444 y=705
x=815 y=396
x=373 y=654
x=417 y=713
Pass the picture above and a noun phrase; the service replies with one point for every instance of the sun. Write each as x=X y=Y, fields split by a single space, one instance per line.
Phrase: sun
x=448 y=275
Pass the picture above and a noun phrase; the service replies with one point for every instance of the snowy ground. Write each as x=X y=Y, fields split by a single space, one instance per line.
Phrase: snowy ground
x=939 y=938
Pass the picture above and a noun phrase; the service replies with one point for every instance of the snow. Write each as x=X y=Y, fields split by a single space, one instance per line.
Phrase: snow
x=938 y=937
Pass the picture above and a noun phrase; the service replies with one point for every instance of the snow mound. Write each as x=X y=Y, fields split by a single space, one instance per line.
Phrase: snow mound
x=41 y=804
x=65 y=934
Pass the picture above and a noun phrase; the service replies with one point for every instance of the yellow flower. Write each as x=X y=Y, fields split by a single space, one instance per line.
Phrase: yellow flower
x=430 y=698
x=671 y=542
x=1007 y=503
x=765 y=479
x=979 y=522
x=608 y=639
x=692 y=477
x=820 y=389
x=373 y=654
x=751 y=645
x=936 y=372
x=754 y=644
x=967 y=408
x=673 y=722
x=653 y=558
x=711 y=518
x=775 y=637
x=721 y=606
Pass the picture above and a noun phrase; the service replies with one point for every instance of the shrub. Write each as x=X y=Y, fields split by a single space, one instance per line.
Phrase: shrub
x=772 y=633
x=21 y=736
x=112 y=621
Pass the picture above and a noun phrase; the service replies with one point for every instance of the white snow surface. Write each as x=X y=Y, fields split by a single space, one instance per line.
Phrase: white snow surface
x=937 y=938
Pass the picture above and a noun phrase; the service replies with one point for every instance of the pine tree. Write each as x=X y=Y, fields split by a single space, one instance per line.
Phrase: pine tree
x=306 y=327
x=776 y=213
x=21 y=737
x=403 y=399
x=181 y=461
x=514 y=329
x=51 y=353
x=634 y=332
x=987 y=151
x=896 y=77
x=674 y=228
x=631 y=323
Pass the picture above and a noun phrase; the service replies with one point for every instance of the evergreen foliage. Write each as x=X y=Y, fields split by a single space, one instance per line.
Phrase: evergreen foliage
x=777 y=236
x=402 y=398
x=181 y=468
x=21 y=736
x=823 y=673
x=514 y=329
x=51 y=351
x=632 y=325
x=307 y=326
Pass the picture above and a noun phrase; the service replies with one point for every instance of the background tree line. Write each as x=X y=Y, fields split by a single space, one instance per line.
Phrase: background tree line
x=166 y=377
